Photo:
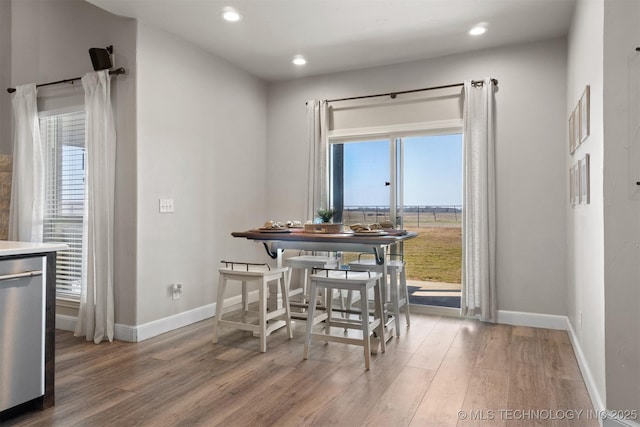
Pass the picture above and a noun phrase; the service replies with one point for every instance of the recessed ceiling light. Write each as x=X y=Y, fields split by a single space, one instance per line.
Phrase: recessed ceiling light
x=299 y=60
x=478 y=30
x=230 y=14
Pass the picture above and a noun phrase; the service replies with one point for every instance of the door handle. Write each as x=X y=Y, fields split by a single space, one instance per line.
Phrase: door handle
x=387 y=183
x=21 y=275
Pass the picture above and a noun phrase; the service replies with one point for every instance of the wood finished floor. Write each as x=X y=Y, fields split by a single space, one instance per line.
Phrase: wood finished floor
x=438 y=367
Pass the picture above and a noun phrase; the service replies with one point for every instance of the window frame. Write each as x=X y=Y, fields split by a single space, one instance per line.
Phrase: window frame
x=69 y=299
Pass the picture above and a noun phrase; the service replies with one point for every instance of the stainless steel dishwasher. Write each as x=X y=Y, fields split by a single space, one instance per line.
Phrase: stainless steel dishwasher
x=22 y=306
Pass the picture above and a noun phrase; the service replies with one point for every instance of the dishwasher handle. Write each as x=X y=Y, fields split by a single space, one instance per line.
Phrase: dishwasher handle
x=20 y=275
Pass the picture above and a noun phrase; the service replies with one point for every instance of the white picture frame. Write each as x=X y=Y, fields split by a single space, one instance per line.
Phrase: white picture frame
x=572 y=132
x=575 y=184
x=585 y=114
x=585 y=197
x=572 y=187
x=576 y=127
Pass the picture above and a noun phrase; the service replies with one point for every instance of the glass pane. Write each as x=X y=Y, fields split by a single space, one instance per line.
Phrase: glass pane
x=364 y=187
x=64 y=136
x=433 y=208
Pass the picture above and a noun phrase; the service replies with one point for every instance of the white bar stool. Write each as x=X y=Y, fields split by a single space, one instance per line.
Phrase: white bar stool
x=260 y=274
x=306 y=263
x=398 y=293
x=354 y=281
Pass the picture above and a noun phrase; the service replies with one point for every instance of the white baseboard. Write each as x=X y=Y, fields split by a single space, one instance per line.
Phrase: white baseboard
x=534 y=320
x=66 y=323
x=120 y=332
x=610 y=420
x=160 y=326
x=596 y=399
x=151 y=329
x=166 y=324
x=516 y=318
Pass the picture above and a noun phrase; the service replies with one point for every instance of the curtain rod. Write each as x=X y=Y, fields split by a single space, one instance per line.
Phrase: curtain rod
x=115 y=72
x=394 y=94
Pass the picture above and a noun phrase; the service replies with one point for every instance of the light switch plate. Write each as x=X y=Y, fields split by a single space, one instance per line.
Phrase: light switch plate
x=166 y=205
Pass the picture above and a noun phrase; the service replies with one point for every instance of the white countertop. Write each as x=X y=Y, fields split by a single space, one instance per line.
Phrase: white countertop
x=24 y=248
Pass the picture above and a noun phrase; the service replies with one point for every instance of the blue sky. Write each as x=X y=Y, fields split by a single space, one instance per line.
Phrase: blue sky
x=433 y=171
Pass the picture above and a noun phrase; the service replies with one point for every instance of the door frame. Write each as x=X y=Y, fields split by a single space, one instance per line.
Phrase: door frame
x=391 y=133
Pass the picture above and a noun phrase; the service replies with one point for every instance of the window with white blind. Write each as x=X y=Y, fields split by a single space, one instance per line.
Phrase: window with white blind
x=64 y=138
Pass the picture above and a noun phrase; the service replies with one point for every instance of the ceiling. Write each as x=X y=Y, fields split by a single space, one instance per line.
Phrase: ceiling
x=339 y=35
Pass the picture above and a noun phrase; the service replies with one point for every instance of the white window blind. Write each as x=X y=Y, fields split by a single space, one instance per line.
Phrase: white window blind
x=64 y=135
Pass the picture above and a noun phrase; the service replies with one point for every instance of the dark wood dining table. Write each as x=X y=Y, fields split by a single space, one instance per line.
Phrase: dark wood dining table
x=276 y=241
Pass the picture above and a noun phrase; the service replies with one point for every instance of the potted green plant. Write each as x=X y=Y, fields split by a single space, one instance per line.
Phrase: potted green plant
x=326 y=214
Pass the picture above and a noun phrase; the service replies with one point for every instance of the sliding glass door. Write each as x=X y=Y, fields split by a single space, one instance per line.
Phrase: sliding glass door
x=415 y=183
x=430 y=204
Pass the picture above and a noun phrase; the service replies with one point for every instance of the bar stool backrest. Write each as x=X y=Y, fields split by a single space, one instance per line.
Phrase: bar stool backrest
x=234 y=265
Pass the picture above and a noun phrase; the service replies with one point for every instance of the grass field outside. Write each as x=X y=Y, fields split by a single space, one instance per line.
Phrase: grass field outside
x=435 y=255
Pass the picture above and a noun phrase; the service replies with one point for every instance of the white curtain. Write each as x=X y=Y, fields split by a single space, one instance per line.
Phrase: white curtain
x=26 y=214
x=318 y=181
x=96 y=317
x=478 y=220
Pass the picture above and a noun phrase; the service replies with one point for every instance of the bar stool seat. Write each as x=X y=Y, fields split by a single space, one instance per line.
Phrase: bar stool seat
x=353 y=281
x=306 y=263
x=260 y=275
x=398 y=293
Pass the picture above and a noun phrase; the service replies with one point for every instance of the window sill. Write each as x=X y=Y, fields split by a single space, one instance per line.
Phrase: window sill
x=68 y=302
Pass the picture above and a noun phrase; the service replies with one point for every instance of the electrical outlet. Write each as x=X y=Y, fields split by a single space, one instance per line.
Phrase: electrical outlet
x=166 y=205
x=177 y=291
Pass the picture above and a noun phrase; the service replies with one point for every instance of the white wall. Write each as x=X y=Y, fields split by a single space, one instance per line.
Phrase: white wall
x=202 y=142
x=197 y=135
x=50 y=41
x=621 y=202
x=531 y=172
x=585 y=232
